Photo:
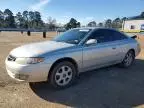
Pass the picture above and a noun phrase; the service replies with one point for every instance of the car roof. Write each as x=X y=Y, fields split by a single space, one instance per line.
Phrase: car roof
x=85 y=28
x=94 y=28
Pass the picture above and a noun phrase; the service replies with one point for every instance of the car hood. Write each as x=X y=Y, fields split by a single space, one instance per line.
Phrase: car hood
x=39 y=48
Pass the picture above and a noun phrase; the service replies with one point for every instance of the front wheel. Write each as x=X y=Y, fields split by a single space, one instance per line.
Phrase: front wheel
x=128 y=60
x=63 y=75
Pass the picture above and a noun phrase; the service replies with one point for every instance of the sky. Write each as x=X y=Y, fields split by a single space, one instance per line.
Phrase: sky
x=82 y=10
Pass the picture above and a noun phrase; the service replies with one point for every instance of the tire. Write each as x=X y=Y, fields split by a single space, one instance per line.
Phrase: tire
x=63 y=75
x=128 y=60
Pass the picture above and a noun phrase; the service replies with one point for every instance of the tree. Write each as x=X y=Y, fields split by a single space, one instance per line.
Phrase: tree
x=108 y=23
x=100 y=24
x=1 y=19
x=117 y=23
x=78 y=24
x=67 y=26
x=92 y=24
x=124 y=18
x=25 y=17
x=72 y=24
x=9 y=19
x=51 y=23
x=38 y=21
x=19 y=20
x=31 y=19
x=142 y=15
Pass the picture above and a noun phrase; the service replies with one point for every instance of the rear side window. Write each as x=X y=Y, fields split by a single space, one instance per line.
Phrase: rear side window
x=118 y=36
x=101 y=35
x=106 y=35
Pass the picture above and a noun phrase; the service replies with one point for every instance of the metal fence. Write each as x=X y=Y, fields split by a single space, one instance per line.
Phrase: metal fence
x=25 y=30
x=28 y=31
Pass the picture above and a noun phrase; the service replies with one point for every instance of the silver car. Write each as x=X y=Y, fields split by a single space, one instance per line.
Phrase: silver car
x=78 y=50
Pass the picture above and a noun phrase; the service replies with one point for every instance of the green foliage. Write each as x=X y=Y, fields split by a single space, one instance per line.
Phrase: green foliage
x=72 y=24
x=92 y=24
x=21 y=20
x=108 y=23
x=100 y=24
x=124 y=18
x=33 y=20
x=1 y=19
x=117 y=23
x=142 y=15
x=9 y=19
x=25 y=17
x=78 y=24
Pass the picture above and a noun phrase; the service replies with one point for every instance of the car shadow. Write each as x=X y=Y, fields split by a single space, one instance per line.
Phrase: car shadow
x=110 y=87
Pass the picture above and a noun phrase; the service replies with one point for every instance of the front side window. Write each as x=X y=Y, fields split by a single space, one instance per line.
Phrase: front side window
x=101 y=36
x=72 y=36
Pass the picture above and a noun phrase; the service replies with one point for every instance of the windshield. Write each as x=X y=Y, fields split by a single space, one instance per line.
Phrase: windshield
x=72 y=36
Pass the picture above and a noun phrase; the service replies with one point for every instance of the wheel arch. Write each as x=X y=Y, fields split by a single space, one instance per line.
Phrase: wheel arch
x=61 y=60
x=132 y=51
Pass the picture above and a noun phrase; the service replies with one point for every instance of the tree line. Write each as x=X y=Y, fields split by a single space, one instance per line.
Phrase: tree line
x=20 y=20
x=116 y=23
x=33 y=20
x=26 y=20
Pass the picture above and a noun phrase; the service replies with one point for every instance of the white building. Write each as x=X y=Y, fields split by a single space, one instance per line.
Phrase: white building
x=133 y=24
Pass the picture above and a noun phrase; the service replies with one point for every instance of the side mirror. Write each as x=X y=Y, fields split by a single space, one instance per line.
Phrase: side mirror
x=91 y=41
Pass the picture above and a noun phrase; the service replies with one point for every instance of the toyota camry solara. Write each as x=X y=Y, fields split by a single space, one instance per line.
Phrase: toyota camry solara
x=78 y=50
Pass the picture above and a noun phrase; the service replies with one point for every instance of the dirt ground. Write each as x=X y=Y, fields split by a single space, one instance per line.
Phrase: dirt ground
x=110 y=87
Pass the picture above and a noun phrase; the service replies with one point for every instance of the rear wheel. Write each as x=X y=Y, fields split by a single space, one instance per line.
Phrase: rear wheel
x=128 y=60
x=63 y=75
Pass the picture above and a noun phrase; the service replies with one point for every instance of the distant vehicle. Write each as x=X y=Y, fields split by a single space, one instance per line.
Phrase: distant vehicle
x=78 y=50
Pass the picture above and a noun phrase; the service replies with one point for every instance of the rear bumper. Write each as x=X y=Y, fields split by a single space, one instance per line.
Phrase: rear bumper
x=29 y=73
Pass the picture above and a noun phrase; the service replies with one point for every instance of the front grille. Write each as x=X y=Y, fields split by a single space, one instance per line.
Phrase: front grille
x=11 y=58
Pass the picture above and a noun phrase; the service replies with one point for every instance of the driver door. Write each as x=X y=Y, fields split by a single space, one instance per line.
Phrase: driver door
x=101 y=53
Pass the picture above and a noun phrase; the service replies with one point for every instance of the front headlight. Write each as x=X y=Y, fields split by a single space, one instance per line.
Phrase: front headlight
x=32 y=60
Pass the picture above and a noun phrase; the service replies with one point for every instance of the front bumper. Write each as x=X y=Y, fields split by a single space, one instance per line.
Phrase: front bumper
x=29 y=73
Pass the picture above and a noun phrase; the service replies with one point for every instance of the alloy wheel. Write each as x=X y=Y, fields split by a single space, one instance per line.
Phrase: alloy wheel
x=128 y=59
x=63 y=75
